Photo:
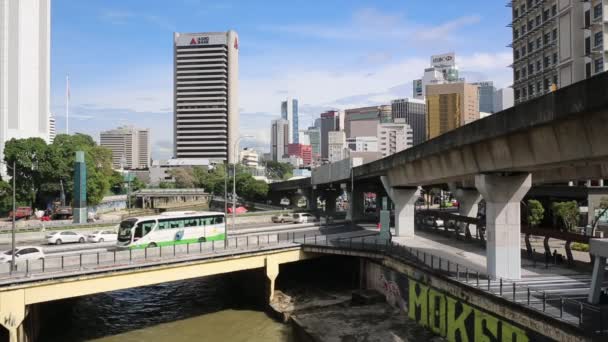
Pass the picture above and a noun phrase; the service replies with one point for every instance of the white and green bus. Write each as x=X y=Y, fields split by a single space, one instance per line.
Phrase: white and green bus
x=171 y=228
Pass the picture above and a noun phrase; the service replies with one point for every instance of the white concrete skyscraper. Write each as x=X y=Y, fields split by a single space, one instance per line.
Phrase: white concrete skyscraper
x=25 y=69
x=206 y=95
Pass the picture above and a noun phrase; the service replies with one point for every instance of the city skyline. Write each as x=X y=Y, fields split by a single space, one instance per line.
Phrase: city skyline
x=127 y=76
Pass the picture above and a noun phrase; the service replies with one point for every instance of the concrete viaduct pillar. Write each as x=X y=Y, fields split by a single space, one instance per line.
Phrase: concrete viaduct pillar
x=12 y=314
x=503 y=194
x=468 y=199
x=272 y=272
x=355 y=205
x=330 y=202
x=404 y=199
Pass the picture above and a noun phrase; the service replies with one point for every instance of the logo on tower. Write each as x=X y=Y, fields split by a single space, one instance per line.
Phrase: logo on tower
x=199 y=41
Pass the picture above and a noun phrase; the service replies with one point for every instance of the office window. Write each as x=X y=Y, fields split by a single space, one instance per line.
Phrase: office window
x=588 y=69
x=515 y=13
x=516 y=53
x=538 y=66
x=529 y=3
x=531 y=89
x=523 y=72
x=554 y=34
x=531 y=46
x=555 y=79
x=538 y=87
x=599 y=65
x=554 y=10
x=547 y=84
x=546 y=38
x=555 y=58
x=516 y=75
x=530 y=69
x=524 y=92
x=515 y=33
x=538 y=43
x=523 y=29
x=523 y=51
x=587 y=46
x=523 y=8
x=517 y=94
x=598 y=39
x=537 y=20
x=597 y=11
x=587 y=19
x=546 y=15
x=547 y=61
x=530 y=24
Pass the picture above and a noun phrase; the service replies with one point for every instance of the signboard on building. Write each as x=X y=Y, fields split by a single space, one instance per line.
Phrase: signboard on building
x=446 y=60
x=201 y=39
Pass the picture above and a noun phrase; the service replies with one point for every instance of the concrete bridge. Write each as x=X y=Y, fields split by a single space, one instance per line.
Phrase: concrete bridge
x=559 y=137
x=171 y=198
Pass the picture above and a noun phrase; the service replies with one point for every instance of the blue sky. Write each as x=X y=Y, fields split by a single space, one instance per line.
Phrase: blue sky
x=328 y=54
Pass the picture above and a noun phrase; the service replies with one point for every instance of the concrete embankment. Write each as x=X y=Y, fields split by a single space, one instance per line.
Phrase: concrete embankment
x=318 y=316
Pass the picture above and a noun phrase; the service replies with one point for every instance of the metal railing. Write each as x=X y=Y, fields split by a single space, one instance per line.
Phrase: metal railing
x=573 y=310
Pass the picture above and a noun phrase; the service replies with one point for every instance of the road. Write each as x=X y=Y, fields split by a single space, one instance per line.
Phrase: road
x=284 y=231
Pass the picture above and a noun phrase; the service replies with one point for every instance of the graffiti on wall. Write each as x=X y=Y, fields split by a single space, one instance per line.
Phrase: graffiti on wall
x=446 y=316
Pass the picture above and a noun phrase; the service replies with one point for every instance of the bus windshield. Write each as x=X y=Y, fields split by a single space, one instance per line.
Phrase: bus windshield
x=125 y=230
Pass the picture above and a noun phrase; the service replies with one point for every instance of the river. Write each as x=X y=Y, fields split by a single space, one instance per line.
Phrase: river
x=196 y=310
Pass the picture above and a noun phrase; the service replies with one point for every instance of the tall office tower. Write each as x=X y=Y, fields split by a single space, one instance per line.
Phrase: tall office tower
x=414 y=113
x=130 y=147
x=394 y=137
x=206 y=95
x=364 y=121
x=25 y=69
x=443 y=70
x=486 y=96
x=336 y=146
x=289 y=112
x=303 y=137
x=279 y=139
x=556 y=43
x=450 y=106
x=329 y=122
x=314 y=136
x=503 y=99
x=52 y=128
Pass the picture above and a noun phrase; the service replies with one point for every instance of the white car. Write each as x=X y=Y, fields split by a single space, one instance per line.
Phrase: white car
x=303 y=218
x=57 y=238
x=430 y=221
x=23 y=253
x=102 y=236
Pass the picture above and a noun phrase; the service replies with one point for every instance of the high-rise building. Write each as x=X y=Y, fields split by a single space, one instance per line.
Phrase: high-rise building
x=206 y=97
x=52 y=129
x=336 y=146
x=486 y=96
x=301 y=151
x=394 y=137
x=289 y=112
x=130 y=147
x=503 y=99
x=303 y=137
x=556 y=43
x=249 y=157
x=364 y=121
x=25 y=69
x=363 y=144
x=314 y=136
x=450 y=106
x=414 y=113
x=443 y=70
x=279 y=137
x=329 y=122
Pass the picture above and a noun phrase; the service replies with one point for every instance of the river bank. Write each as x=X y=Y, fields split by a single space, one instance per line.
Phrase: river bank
x=344 y=316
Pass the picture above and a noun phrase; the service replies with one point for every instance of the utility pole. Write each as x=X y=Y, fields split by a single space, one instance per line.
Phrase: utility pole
x=14 y=214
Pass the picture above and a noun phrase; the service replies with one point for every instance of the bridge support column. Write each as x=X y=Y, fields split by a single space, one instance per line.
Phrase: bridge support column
x=330 y=202
x=12 y=314
x=468 y=199
x=503 y=194
x=272 y=272
x=355 y=205
x=599 y=267
x=405 y=208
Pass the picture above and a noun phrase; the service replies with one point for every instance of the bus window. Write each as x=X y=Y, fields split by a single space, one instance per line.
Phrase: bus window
x=176 y=223
x=143 y=228
x=219 y=219
x=164 y=224
x=190 y=223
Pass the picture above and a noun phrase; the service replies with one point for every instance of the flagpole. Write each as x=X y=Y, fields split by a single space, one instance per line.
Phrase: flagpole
x=67 y=104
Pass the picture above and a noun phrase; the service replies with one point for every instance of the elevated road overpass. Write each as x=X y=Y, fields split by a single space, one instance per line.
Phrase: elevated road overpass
x=558 y=137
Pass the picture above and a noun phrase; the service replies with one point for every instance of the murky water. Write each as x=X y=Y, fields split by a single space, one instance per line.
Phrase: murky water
x=198 y=310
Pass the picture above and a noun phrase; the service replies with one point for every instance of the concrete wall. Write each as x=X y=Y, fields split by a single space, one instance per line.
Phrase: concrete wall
x=335 y=172
x=451 y=310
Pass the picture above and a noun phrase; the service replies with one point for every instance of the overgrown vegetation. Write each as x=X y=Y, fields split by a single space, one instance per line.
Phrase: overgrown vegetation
x=536 y=212
x=567 y=213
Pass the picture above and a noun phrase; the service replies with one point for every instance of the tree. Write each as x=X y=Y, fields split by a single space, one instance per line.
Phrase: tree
x=536 y=212
x=568 y=213
x=27 y=156
x=278 y=170
x=184 y=177
x=603 y=209
x=137 y=184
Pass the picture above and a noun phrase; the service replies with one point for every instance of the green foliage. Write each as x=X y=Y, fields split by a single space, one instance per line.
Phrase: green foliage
x=568 y=214
x=278 y=170
x=582 y=247
x=536 y=212
x=40 y=168
x=137 y=184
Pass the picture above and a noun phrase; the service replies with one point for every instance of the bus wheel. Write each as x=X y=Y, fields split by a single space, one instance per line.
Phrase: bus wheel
x=152 y=245
x=202 y=239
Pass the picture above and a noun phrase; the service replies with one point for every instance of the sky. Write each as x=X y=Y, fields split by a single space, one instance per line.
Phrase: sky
x=333 y=54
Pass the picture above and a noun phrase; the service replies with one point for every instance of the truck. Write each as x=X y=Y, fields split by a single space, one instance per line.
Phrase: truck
x=22 y=212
